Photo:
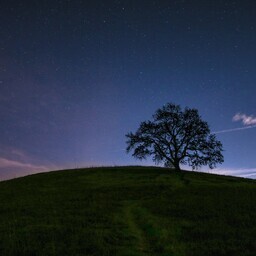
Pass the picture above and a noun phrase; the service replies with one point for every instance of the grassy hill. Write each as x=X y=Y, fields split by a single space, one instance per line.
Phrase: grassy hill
x=128 y=211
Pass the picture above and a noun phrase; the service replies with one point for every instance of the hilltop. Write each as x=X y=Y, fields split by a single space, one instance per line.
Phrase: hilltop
x=128 y=211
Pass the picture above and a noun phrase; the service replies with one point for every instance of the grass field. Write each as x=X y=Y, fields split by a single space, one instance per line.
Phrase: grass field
x=128 y=211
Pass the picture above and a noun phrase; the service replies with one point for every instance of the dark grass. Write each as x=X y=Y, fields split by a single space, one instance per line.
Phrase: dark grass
x=127 y=211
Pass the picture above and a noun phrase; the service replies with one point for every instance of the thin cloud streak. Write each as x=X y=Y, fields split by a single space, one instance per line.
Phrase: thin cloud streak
x=6 y=163
x=235 y=129
x=15 y=163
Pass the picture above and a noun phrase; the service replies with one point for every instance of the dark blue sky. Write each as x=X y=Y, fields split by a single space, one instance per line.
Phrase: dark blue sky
x=76 y=76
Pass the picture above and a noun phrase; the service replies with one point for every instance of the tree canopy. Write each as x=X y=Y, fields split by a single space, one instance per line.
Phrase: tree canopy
x=175 y=137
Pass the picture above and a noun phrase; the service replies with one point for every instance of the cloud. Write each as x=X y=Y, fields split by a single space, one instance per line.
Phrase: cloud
x=247 y=120
x=13 y=153
x=18 y=152
x=6 y=163
x=10 y=169
x=16 y=163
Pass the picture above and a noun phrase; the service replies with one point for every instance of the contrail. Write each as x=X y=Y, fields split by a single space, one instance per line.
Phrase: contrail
x=235 y=129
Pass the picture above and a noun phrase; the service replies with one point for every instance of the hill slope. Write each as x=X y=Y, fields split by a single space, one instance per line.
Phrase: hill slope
x=127 y=211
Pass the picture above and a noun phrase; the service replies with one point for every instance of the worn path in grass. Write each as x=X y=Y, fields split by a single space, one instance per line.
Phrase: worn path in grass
x=141 y=243
x=148 y=233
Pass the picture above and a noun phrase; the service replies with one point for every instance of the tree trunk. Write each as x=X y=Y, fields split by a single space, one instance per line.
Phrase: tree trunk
x=177 y=165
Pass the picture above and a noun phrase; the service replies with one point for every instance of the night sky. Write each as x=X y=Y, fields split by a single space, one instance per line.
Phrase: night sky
x=76 y=76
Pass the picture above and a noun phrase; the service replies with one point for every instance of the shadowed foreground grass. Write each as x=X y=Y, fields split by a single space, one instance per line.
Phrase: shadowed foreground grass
x=128 y=211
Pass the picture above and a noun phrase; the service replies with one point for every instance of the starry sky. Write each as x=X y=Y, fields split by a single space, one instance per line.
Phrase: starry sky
x=76 y=76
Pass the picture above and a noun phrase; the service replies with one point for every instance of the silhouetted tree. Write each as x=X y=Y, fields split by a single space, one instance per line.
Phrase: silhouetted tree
x=176 y=137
